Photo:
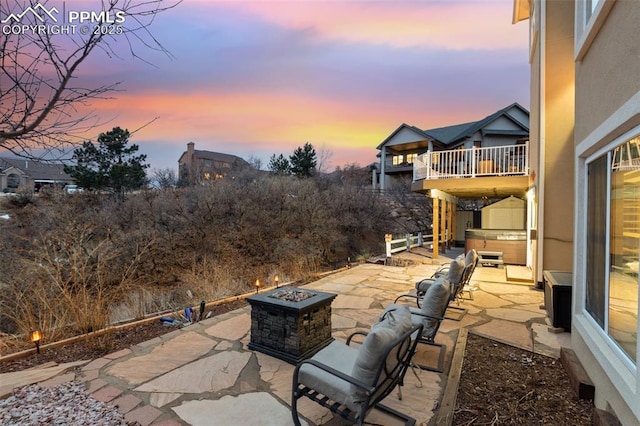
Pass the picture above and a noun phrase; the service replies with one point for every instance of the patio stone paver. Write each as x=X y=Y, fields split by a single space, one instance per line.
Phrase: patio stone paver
x=231 y=329
x=331 y=287
x=340 y=322
x=277 y=374
x=169 y=422
x=466 y=321
x=106 y=393
x=512 y=314
x=55 y=381
x=249 y=409
x=87 y=376
x=126 y=403
x=224 y=345
x=144 y=415
x=506 y=331
x=362 y=316
x=535 y=307
x=553 y=341
x=204 y=374
x=348 y=279
x=96 y=364
x=160 y=399
x=524 y=298
x=94 y=385
x=210 y=374
x=351 y=302
x=180 y=350
x=118 y=354
x=486 y=300
x=503 y=288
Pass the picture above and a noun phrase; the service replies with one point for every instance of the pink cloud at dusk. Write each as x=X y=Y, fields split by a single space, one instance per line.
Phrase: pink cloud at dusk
x=448 y=24
x=259 y=78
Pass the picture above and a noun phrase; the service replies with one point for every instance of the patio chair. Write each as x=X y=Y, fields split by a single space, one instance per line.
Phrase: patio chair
x=353 y=381
x=434 y=306
x=459 y=273
x=471 y=261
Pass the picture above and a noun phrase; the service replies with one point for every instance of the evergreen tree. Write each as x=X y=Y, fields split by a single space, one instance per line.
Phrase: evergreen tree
x=109 y=165
x=279 y=165
x=303 y=161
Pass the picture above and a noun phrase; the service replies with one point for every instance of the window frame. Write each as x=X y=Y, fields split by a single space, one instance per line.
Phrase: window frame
x=611 y=351
x=588 y=22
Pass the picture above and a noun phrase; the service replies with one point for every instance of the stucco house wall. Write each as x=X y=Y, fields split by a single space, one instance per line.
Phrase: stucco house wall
x=607 y=93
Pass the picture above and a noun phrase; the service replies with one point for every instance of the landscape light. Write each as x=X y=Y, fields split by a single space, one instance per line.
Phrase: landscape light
x=277 y=280
x=36 y=336
x=257 y=286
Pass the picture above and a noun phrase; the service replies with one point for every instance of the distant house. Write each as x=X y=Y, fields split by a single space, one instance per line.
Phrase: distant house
x=196 y=166
x=22 y=173
x=408 y=145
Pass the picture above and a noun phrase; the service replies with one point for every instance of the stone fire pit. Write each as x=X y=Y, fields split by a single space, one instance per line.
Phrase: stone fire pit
x=290 y=323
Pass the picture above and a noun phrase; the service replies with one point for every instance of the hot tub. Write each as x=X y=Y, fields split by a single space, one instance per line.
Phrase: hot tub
x=512 y=243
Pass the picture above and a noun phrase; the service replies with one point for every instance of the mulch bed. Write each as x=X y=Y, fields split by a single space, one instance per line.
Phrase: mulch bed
x=98 y=347
x=504 y=385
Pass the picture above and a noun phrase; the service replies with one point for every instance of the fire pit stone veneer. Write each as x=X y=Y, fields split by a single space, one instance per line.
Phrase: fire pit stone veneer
x=290 y=323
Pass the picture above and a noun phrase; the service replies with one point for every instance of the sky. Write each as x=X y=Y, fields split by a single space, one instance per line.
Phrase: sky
x=263 y=77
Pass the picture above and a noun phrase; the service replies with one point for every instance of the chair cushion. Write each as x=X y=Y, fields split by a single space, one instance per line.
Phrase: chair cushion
x=340 y=357
x=456 y=269
x=471 y=257
x=434 y=303
x=395 y=323
x=453 y=272
x=423 y=285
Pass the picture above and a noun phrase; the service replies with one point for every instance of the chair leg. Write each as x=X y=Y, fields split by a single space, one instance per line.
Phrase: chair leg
x=466 y=291
x=294 y=407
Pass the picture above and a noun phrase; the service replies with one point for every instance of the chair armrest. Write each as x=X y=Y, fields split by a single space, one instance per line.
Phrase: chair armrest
x=408 y=295
x=355 y=333
x=362 y=385
x=434 y=317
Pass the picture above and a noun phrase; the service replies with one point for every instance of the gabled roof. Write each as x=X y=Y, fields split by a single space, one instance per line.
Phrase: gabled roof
x=404 y=126
x=218 y=156
x=451 y=134
x=448 y=134
x=38 y=170
x=458 y=132
x=215 y=156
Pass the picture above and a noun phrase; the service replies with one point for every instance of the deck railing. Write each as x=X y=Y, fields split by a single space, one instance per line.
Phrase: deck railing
x=407 y=242
x=473 y=162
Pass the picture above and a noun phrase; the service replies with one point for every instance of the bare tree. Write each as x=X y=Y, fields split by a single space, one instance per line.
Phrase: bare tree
x=43 y=104
x=324 y=155
x=164 y=178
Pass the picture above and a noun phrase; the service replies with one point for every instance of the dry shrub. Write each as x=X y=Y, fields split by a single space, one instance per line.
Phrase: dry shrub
x=88 y=260
x=68 y=276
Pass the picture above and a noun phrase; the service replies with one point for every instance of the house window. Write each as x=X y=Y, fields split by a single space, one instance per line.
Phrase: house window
x=397 y=160
x=590 y=7
x=13 y=181
x=590 y=16
x=411 y=158
x=613 y=243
